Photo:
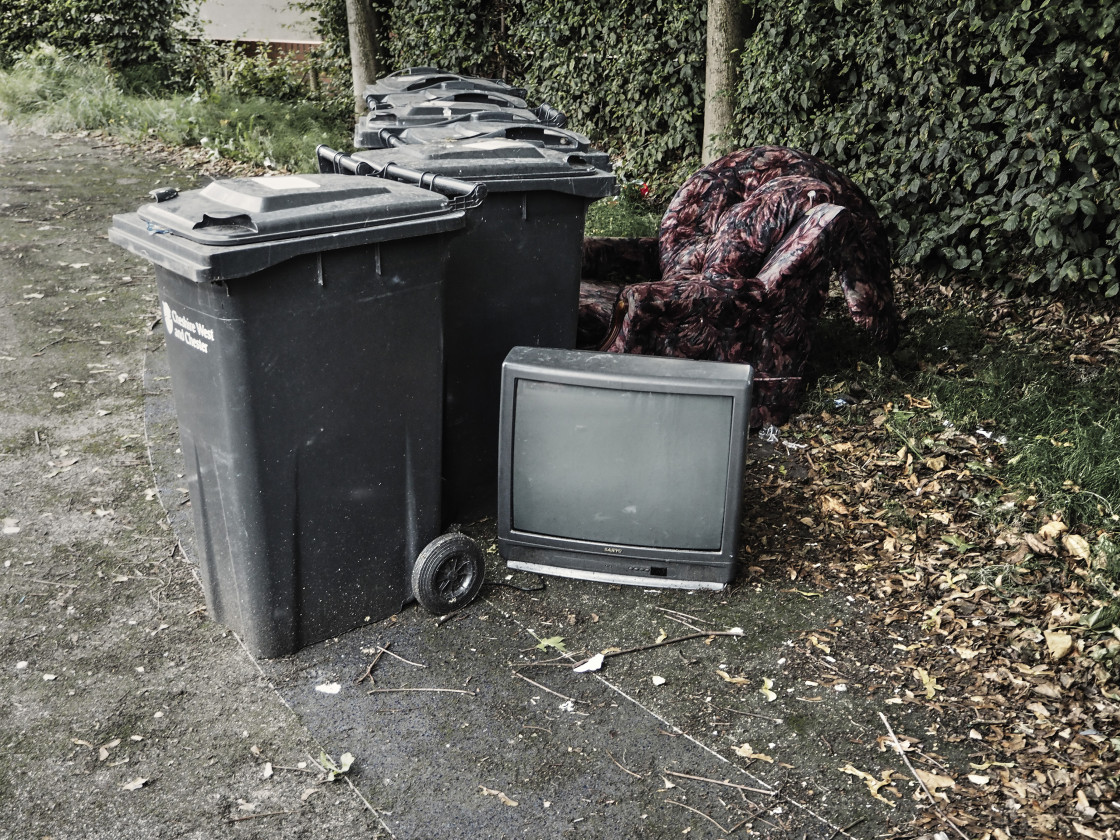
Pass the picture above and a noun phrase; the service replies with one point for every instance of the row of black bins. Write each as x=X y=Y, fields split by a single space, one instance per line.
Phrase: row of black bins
x=426 y=105
x=335 y=345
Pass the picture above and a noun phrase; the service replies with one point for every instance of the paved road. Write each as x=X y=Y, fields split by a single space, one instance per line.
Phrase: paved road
x=128 y=713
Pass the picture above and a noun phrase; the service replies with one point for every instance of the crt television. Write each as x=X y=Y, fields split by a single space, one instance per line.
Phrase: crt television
x=622 y=468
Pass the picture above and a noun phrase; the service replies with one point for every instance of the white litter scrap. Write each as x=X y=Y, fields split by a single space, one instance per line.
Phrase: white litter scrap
x=329 y=688
x=592 y=664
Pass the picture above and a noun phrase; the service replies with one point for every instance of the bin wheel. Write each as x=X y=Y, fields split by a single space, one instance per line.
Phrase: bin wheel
x=448 y=574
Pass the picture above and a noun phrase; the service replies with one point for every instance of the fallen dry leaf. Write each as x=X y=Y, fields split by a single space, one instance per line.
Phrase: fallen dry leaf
x=747 y=751
x=505 y=800
x=874 y=785
x=1077 y=546
x=1059 y=644
x=934 y=782
x=1052 y=529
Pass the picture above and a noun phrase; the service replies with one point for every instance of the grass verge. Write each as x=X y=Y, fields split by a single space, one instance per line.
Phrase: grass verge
x=53 y=92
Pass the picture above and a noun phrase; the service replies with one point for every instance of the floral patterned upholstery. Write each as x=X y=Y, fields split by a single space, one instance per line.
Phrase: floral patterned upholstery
x=746 y=250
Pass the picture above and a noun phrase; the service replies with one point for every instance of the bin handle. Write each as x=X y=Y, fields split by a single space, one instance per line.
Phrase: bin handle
x=464 y=194
x=537 y=133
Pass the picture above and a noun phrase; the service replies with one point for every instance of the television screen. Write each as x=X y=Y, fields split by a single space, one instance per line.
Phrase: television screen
x=622 y=467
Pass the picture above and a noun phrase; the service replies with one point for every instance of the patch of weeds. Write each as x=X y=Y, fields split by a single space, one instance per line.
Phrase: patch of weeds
x=1106 y=567
x=629 y=214
x=896 y=515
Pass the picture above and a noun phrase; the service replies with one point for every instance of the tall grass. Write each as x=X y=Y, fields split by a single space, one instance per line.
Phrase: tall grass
x=53 y=92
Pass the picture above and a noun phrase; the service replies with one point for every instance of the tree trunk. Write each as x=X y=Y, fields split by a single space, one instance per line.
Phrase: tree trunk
x=725 y=24
x=364 y=25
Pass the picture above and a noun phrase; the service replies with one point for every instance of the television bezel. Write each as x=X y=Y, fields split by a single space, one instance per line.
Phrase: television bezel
x=614 y=562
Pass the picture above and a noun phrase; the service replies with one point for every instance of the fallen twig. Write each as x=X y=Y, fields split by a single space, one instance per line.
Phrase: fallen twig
x=724 y=783
x=678 y=612
x=620 y=767
x=369 y=671
x=258 y=816
x=441 y=690
x=401 y=658
x=546 y=688
x=293 y=769
x=902 y=754
x=664 y=642
x=357 y=792
x=683 y=622
x=705 y=816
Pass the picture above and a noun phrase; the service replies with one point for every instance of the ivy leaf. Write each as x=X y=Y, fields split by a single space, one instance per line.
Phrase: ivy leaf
x=554 y=642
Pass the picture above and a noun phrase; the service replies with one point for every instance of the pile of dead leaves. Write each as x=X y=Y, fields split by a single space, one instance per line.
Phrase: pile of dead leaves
x=1007 y=639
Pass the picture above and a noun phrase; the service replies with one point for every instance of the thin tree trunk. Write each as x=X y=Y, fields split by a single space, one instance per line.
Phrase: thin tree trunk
x=364 y=25
x=725 y=25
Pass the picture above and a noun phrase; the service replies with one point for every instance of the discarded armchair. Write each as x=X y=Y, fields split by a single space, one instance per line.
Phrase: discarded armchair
x=740 y=272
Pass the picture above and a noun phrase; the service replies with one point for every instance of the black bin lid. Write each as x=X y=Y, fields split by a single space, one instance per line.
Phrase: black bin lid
x=432 y=78
x=487 y=125
x=450 y=97
x=505 y=165
x=235 y=227
x=428 y=111
x=241 y=210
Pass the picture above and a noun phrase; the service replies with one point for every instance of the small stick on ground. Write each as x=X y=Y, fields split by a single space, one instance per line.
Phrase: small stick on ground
x=440 y=690
x=258 y=816
x=699 y=635
x=724 y=783
x=546 y=688
x=357 y=792
x=293 y=769
x=683 y=622
x=620 y=767
x=681 y=614
x=401 y=658
x=369 y=671
x=702 y=814
x=913 y=772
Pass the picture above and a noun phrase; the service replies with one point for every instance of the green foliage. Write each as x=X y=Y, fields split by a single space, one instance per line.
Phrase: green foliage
x=987 y=132
x=23 y=23
x=57 y=92
x=333 y=54
x=630 y=75
x=247 y=70
x=126 y=33
x=629 y=214
x=471 y=36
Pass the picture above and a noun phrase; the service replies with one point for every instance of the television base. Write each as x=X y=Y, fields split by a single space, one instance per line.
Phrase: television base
x=609 y=577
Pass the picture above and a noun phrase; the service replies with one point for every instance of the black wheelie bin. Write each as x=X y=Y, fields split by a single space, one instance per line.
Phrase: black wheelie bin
x=513 y=281
x=303 y=320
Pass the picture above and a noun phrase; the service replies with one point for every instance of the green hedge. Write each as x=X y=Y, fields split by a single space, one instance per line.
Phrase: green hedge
x=629 y=75
x=128 y=33
x=987 y=132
